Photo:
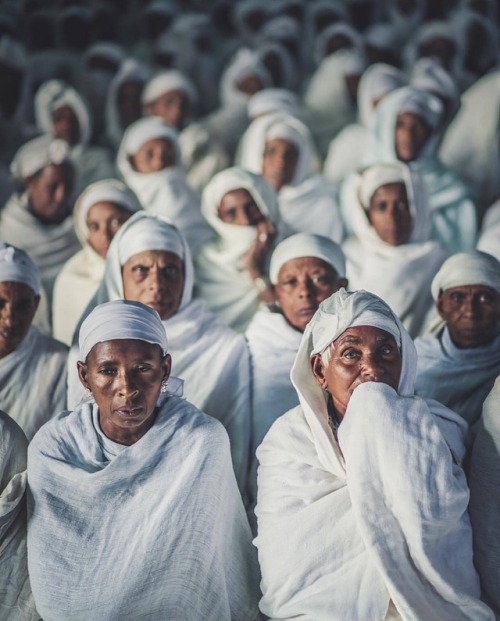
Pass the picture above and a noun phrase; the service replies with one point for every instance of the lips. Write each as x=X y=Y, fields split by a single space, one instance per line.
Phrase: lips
x=308 y=310
x=130 y=411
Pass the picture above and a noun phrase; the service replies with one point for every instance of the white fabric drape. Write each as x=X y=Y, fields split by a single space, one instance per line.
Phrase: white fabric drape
x=154 y=530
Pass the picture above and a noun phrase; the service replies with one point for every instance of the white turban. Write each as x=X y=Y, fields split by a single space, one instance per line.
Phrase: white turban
x=107 y=190
x=150 y=235
x=37 y=154
x=143 y=130
x=121 y=319
x=17 y=266
x=425 y=105
x=377 y=80
x=467 y=268
x=429 y=75
x=375 y=177
x=271 y=100
x=166 y=81
x=306 y=245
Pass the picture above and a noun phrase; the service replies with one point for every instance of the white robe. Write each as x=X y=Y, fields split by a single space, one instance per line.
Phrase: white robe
x=33 y=381
x=16 y=600
x=489 y=238
x=155 y=530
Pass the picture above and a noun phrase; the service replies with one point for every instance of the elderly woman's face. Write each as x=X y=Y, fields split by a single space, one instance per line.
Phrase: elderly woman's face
x=172 y=107
x=279 y=162
x=302 y=285
x=361 y=354
x=103 y=221
x=238 y=207
x=153 y=156
x=389 y=214
x=125 y=378
x=412 y=132
x=18 y=304
x=66 y=125
x=155 y=278
x=50 y=192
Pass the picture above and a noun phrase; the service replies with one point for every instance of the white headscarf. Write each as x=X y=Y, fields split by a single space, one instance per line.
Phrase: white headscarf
x=17 y=266
x=377 y=80
x=244 y=64
x=55 y=94
x=467 y=268
x=429 y=75
x=166 y=81
x=306 y=245
x=339 y=28
x=121 y=319
x=140 y=132
x=273 y=100
x=38 y=153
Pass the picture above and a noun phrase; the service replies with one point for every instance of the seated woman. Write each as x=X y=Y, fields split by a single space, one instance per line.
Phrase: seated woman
x=61 y=111
x=305 y=269
x=149 y=261
x=231 y=270
x=99 y=212
x=458 y=365
x=334 y=504
x=408 y=128
x=38 y=218
x=32 y=365
x=16 y=601
x=390 y=253
x=135 y=510
x=279 y=147
x=149 y=160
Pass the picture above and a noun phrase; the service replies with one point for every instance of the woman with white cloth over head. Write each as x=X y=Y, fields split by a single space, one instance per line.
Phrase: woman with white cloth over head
x=98 y=214
x=149 y=261
x=335 y=506
x=305 y=269
x=280 y=148
x=150 y=162
x=135 y=511
x=231 y=270
x=390 y=252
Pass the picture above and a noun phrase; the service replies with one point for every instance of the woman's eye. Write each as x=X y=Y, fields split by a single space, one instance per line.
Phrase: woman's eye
x=321 y=280
x=291 y=282
x=386 y=350
x=106 y=371
x=93 y=227
x=350 y=354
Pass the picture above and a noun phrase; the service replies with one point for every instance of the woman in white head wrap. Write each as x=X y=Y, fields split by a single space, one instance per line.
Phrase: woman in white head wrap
x=150 y=162
x=305 y=269
x=458 y=365
x=32 y=365
x=99 y=212
x=231 y=270
x=38 y=219
x=16 y=603
x=61 y=111
x=280 y=148
x=346 y=150
x=148 y=479
x=334 y=504
x=210 y=358
x=390 y=252
x=271 y=100
x=172 y=96
x=408 y=127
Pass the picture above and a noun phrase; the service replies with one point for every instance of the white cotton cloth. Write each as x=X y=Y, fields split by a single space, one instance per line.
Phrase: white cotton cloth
x=245 y=63
x=173 y=486
x=279 y=61
x=467 y=268
x=33 y=381
x=484 y=480
x=16 y=599
x=121 y=319
x=166 y=192
x=489 y=237
x=49 y=245
x=221 y=278
x=201 y=346
x=166 y=81
x=38 y=154
x=271 y=100
x=17 y=266
x=349 y=499
x=429 y=75
x=340 y=28
x=306 y=245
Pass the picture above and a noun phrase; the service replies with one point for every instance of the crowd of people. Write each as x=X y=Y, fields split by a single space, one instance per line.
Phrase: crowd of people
x=249 y=310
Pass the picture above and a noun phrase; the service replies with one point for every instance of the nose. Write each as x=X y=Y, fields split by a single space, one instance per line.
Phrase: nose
x=471 y=307
x=7 y=317
x=371 y=370
x=306 y=288
x=156 y=280
x=127 y=387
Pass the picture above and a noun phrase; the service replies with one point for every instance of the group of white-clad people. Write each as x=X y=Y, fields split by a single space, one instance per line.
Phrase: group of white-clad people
x=247 y=368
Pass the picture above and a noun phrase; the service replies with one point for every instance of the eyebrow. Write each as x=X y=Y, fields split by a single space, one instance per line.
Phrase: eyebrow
x=355 y=340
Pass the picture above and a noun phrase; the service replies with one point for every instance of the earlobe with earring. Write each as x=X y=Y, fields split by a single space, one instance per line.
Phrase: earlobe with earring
x=88 y=393
x=164 y=386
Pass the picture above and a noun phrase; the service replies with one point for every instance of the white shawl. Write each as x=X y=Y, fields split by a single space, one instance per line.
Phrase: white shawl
x=16 y=600
x=489 y=238
x=33 y=381
x=341 y=533
x=155 y=530
x=49 y=245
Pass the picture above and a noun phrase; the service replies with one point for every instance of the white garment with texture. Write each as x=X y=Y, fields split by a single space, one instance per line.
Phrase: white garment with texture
x=489 y=237
x=155 y=530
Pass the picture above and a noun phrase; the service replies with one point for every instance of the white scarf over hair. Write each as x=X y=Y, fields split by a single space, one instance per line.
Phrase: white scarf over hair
x=83 y=272
x=16 y=600
x=221 y=278
x=166 y=192
x=400 y=275
x=154 y=530
x=341 y=533
x=209 y=357
x=308 y=204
